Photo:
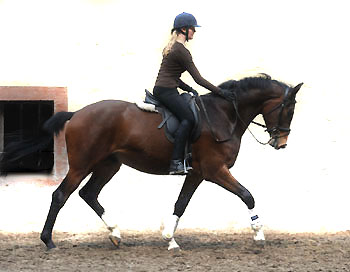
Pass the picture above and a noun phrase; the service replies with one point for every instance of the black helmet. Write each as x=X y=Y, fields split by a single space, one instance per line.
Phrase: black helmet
x=185 y=20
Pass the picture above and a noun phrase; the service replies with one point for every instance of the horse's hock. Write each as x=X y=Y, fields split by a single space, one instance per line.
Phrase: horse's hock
x=23 y=109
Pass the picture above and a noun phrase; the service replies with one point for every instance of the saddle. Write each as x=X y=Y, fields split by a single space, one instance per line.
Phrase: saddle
x=170 y=121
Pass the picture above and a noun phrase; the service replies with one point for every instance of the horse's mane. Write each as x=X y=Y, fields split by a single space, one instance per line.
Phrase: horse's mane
x=263 y=81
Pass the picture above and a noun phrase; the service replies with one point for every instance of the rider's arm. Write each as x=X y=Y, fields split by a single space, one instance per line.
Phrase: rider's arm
x=187 y=62
x=184 y=86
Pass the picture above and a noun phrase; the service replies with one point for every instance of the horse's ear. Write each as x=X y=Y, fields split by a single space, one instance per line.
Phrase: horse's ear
x=297 y=88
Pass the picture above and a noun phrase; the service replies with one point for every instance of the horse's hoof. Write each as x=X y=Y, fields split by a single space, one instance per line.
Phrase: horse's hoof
x=174 y=249
x=51 y=249
x=54 y=249
x=173 y=246
x=260 y=243
x=51 y=246
x=115 y=240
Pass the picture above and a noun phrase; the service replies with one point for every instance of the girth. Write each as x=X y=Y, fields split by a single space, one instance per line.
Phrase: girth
x=170 y=121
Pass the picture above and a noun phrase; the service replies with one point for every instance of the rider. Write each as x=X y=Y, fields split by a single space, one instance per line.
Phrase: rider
x=176 y=60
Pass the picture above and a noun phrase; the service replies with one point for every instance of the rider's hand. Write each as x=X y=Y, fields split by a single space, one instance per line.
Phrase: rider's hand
x=194 y=92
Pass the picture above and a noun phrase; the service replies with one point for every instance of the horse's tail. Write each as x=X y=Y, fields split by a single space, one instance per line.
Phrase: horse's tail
x=19 y=149
x=55 y=124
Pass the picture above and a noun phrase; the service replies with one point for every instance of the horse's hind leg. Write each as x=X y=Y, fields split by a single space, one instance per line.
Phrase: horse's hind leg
x=59 y=198
x=102 y=174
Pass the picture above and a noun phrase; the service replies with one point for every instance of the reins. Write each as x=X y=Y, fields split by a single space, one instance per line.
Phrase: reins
x=234 y=126
x=278 y=128
x=247 y=125
x=211 y=127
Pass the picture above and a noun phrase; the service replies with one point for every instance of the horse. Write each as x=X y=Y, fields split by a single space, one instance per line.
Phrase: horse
x=102 y=136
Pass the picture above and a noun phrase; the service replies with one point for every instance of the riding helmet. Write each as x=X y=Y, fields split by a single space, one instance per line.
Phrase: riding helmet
x=185 y=20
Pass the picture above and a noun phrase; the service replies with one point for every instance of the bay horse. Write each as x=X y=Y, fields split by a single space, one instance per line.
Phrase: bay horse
x=102 y=136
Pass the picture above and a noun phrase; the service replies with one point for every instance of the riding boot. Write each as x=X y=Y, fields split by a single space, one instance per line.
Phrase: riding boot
x=176 y=167
x=182 y=134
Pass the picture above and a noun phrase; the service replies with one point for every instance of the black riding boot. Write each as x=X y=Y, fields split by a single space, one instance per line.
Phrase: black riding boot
x=176 y=167
x=177 y=161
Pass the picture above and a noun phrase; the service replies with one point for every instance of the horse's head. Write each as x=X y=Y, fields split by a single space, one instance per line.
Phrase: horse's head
x=278 y=114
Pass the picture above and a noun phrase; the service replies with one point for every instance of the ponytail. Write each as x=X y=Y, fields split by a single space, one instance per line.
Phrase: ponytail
x=170 y=44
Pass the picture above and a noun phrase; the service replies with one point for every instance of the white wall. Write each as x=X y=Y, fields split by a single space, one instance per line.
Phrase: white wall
x=112 y=49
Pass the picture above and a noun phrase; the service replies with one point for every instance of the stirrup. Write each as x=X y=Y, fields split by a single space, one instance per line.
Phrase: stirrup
x=187 y=162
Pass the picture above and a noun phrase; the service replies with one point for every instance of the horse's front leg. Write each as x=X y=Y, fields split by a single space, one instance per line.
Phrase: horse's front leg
x=224 y=178
x=190 y=185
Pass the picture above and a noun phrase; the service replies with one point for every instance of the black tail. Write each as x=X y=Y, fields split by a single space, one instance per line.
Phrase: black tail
x=56 y=123
x=19 y=149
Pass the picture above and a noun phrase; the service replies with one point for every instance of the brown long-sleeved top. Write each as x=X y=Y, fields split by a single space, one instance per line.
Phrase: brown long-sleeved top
x=174 y=64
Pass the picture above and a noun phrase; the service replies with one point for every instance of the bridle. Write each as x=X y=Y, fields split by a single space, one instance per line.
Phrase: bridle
x=273 y=132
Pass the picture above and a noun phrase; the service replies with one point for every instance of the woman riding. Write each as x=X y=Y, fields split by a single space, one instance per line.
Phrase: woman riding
x=176 y=60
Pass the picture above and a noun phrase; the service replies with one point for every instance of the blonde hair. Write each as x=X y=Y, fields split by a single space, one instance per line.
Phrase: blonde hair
x=170 y=44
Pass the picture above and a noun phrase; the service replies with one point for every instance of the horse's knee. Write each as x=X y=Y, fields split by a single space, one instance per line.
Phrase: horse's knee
x=180 y=207
x=58 y=198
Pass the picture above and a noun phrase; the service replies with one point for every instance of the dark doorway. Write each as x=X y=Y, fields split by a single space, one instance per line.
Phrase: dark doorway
x=21 y=121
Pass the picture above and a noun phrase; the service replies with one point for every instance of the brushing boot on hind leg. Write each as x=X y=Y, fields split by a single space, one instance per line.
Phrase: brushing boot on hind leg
x=107 y=219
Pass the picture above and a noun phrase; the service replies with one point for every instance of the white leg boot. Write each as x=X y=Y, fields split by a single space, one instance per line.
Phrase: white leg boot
x=257 y=226
x=114 y=235
x=170 y=226
x=173 y=245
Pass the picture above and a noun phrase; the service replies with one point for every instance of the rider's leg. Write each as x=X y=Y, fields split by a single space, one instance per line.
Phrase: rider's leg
x=176 y=104
x=182 y=134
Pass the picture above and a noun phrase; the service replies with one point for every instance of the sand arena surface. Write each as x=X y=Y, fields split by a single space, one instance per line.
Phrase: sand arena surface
x=83 y=242
x=201 y=251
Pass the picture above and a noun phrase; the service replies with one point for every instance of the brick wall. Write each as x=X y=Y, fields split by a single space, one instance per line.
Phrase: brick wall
x=59 y=96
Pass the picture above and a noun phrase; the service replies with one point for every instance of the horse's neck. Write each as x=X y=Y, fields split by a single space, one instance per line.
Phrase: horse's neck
x=249 y=105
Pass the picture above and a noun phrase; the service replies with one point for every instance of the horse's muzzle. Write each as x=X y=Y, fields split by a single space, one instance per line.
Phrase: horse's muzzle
x=278 y=142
